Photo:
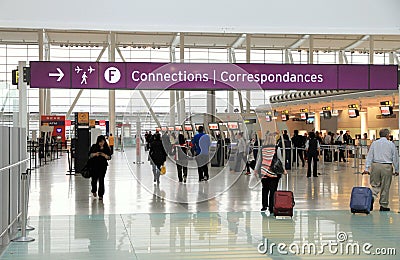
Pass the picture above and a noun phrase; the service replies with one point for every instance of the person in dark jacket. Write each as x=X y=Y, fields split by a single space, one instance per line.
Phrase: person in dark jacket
x=286 y=148
x=312 y=149
x=298 y=142
x=158 y=156
x=181 y=158
x=99 y=154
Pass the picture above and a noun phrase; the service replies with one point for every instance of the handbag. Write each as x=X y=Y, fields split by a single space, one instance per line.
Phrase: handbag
x=86 y=172
x=276 y=165
x=163 y=170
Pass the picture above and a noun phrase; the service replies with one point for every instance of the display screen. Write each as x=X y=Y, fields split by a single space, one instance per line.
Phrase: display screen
x=188 y=128
x=213 y=126
x=310 y=120
x=386 y=111
x=171 y=128
x=327 y=114
x=353 y=113
x=233 y=125
x=164 y=128
x=284 y=117
x=303 y=116
x=158 y=129
x=178 y=128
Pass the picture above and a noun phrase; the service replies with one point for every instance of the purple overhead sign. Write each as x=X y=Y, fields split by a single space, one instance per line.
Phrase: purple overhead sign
x=211 y=76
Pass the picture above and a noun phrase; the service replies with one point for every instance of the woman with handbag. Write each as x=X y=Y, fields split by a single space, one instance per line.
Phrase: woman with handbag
x=158 y=156
x=270 y=168
x=99 y=154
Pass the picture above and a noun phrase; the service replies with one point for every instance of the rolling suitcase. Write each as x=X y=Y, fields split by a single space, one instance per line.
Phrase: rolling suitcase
x=361 y=200
x=283 y=203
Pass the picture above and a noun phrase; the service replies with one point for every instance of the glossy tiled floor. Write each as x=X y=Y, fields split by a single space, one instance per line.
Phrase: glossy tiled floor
x=214 y=220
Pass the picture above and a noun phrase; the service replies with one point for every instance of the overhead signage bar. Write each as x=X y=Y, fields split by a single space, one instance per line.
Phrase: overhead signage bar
x=209 y=76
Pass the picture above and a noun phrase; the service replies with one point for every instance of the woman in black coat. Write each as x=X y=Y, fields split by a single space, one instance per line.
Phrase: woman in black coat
x=158 y=156
x=99 y=154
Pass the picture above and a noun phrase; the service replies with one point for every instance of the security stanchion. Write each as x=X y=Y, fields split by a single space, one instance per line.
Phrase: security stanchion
x=24 y=215
x=338 y=157
x=70 y=170
x=355 y=157
x=297 y=157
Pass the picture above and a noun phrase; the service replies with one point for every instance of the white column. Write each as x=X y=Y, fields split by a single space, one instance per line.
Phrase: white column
x=371 y=49
x=317 y=121
x=41 y=91
x=111 y=95
x=231 y=97
x=182 y=93
x=23 y=98
x=311 y=50
x=172 y=102
x=47 y=101
x=248 y=59
x=364 y=122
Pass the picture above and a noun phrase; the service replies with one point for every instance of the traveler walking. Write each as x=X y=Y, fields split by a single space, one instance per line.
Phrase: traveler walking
x=99 y=154
x=181 y=158
x=202 y=142
x=298 y=142
x=312 y=148
x=269 y=179
x=381 y=158
x=111 y=143
x=158 y=156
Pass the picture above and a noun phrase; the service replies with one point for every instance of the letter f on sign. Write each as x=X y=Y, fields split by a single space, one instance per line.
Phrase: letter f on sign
x=112 y=75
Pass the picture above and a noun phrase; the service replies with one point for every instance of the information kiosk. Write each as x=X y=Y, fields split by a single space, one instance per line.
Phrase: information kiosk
x=217 y=146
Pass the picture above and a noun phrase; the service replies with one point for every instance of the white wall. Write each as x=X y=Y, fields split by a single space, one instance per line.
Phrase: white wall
x=257 y=16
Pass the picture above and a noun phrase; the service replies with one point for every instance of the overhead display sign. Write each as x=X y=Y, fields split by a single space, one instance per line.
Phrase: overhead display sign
x=206 y=76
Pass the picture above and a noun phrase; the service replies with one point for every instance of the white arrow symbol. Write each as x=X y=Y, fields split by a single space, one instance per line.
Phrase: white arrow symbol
x=60 y=74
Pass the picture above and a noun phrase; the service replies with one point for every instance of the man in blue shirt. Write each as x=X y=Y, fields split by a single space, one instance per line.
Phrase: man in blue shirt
x=381 y=156
x=202 y=142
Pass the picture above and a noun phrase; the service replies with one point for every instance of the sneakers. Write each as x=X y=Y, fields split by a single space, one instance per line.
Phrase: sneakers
x=384 y=209
x=263 y=209
x=94 y=194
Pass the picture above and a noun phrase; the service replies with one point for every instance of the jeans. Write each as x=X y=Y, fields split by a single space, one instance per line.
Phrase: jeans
x=156 y=172
x=181 y=169
x=202 y=166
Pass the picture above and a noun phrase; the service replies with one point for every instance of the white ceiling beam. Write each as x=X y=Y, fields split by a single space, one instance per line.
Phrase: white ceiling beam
x=299 y=42
x=239 y=41
x=357 y=43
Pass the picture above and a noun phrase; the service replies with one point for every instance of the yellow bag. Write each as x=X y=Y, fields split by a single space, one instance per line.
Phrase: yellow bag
x=163 y=170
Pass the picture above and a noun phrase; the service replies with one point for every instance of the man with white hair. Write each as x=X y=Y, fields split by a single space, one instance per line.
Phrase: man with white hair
x=381 y=158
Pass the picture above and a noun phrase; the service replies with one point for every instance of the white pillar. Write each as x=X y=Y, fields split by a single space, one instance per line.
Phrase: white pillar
x=248 y=60
x=41 y=91
x=111 y=95
x=371 y=49
x=23 y=98
x=182 y=93
x=231 y=97
x=317 y=121
x=47 y=100
x=364 y=122
x=311 y=50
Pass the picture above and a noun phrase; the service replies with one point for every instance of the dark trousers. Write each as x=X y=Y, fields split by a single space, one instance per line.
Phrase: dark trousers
x=181 y=169
x=300 y=154
x=98 y=178
x=112 y=149
x=341 y=155
x=202 y=166
x=269 y=186
x=312 y=158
